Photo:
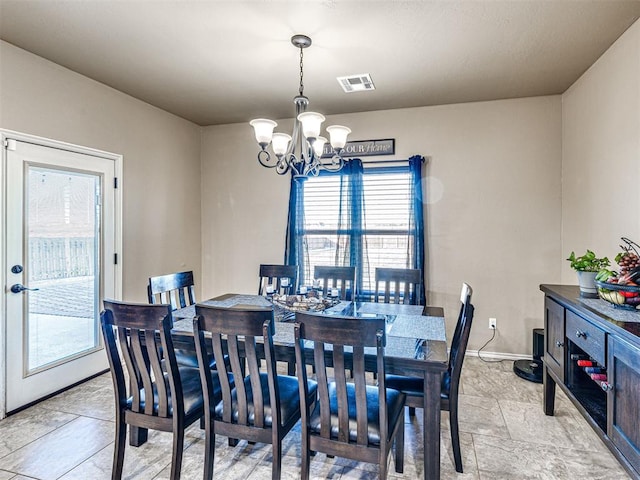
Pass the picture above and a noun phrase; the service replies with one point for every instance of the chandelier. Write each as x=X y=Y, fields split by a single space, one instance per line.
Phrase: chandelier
x=302 y=151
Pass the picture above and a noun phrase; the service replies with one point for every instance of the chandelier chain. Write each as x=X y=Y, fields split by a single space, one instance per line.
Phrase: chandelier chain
x=301 y=72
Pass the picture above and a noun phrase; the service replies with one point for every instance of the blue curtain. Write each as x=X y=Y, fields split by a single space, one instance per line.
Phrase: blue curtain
x=351 y=245
x=294 y=249
x=416 y=221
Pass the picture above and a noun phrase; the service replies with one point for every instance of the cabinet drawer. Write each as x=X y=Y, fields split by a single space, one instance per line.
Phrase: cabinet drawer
x=587 y=336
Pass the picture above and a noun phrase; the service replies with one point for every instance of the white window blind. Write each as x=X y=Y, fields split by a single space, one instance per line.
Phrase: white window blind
x=372 y=232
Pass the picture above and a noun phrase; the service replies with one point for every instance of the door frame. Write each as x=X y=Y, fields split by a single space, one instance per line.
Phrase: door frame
x=5 y=136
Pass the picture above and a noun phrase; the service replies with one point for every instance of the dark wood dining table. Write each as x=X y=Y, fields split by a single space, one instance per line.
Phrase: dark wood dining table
x=415 y=346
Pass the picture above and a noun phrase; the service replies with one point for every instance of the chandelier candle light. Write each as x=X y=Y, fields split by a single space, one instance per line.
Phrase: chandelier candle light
x=301 y=152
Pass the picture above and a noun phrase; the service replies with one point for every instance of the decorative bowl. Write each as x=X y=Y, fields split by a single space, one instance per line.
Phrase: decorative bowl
x=303 y=303
x=620 y=296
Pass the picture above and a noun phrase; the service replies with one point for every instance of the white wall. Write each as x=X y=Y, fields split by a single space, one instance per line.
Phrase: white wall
x=161 y=214
x=493 y=216
x=244 y=211
x=601 y=154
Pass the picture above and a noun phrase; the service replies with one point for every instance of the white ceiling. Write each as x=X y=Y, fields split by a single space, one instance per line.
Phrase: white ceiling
x=215 y=62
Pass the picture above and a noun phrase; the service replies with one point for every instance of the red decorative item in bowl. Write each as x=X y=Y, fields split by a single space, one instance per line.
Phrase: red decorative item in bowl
x=620 y=296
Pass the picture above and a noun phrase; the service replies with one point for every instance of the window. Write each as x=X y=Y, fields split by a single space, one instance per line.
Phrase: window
x=360 y=216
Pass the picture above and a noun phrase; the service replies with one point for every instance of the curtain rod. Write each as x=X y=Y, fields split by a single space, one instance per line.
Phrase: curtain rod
x=391 y=160
x=384 y=161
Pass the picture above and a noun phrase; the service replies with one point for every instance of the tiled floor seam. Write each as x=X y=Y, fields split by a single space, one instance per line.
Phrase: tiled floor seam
x=36 y=439
x=504 y=419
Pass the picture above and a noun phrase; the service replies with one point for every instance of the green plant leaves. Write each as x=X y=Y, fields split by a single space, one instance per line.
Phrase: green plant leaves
x=588 y=262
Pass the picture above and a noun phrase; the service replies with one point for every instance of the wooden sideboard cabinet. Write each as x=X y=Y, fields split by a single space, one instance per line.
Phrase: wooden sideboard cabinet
x=591 y=330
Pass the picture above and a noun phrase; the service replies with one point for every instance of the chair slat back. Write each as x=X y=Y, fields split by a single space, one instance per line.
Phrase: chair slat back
x=398 y=285
x=342 y=278
x=142 y=333
x=460 y=337
x=274 y=274
x=176 y=289
x=339 y=343
x=245 y=335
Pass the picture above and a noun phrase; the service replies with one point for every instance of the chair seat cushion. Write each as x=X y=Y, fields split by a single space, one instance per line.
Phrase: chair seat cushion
x=414 y=386
x=188 y=358
x=395 y=406
x=191 y=392
x=289 y=399
x=192 y=388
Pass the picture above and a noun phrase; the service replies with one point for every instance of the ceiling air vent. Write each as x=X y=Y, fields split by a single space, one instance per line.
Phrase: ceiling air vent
x=356 y=83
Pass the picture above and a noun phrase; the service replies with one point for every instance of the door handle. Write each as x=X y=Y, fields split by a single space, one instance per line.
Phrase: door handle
x=18 y=287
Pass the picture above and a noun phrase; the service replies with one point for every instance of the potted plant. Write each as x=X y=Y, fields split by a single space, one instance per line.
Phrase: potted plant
x=587 y=266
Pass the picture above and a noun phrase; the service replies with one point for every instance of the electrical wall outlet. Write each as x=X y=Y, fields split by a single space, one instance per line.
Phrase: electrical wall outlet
x=492 y=323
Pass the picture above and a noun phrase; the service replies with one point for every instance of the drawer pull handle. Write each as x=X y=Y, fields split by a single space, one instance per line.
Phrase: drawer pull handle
x=559 y=343
x=581 y=334
x=606 y=386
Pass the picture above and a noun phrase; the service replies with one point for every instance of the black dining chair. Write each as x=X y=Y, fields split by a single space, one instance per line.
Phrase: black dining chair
x=350 y=419
x=281 y=278
x=178 y=290
x=414 y=387
x=341 y=278
x=162 y=395
x=262 y=406
x=398 y=285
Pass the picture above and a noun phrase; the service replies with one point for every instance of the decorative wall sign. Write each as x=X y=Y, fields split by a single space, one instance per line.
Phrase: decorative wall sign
x=364 y=148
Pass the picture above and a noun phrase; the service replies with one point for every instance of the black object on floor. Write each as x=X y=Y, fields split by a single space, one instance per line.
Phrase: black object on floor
x=531 y=370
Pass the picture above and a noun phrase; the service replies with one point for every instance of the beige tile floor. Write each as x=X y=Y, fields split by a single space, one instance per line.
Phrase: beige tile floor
x=505 y=435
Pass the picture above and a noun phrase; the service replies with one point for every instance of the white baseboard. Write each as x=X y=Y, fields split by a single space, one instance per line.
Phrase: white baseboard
x=498 y=355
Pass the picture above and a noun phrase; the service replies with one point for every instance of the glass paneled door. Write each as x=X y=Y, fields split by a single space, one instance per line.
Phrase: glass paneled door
x=60 y=256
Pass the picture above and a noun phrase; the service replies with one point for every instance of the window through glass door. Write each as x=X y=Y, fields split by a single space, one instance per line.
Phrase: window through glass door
x=63 y=245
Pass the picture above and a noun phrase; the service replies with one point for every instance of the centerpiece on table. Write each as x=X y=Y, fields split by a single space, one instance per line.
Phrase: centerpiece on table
x=622 y=288
x=587 y=266
x=309 y=302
